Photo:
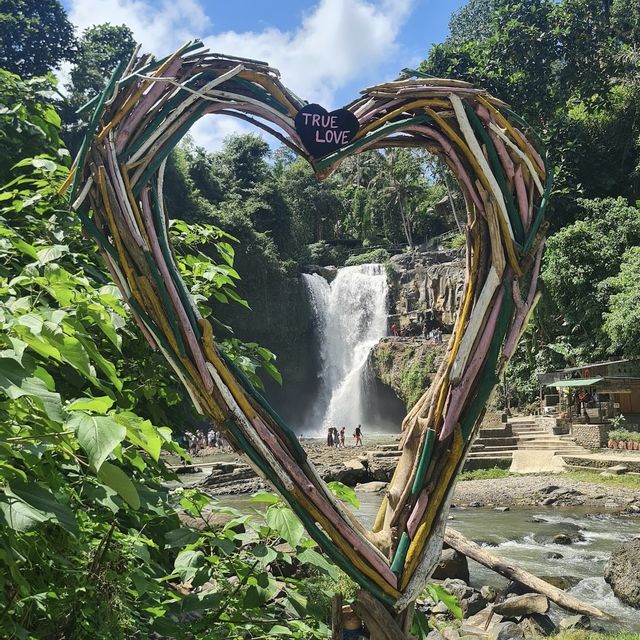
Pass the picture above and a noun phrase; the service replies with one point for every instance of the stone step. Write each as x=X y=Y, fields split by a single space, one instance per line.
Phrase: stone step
x=491 y=454
x=496 y=442
x=385 y=454
x=387 y=447
x=548 y=445
x=497 y=447
x=533 y=430
x=531 y=434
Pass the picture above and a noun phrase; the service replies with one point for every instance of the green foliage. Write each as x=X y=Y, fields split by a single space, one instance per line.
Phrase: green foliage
x=100 y=49
x=379 y=255
x=439 y=594
x=578 y=263
x=415 y=379
x=567 y=67
x=35 y=36
x=322 y=253
x=593 y=635
x=456 y=242
x=29 y=125
x=344 y=493
x=80 y=469
x=495 y=473
x=624 y=435
x=622 y=321
x=626 y=481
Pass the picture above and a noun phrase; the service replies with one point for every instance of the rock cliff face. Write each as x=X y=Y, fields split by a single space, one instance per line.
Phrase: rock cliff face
x=281 y=320
x=406 y=365
x=426 y=281
x=424 y=288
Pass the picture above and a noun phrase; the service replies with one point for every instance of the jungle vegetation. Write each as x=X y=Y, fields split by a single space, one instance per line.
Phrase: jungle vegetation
x=92 y=543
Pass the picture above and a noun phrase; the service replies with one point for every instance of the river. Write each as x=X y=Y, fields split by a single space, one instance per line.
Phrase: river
x=524 y=536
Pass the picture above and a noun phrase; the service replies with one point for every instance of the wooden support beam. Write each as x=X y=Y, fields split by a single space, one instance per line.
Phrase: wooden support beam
x=378 y=621
x=470 y=549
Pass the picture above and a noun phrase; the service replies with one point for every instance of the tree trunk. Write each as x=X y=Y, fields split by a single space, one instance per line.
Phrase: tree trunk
x=470 y=549
x=381 y=624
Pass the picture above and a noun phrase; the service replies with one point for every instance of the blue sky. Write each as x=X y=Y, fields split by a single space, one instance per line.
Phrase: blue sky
x=327 y=50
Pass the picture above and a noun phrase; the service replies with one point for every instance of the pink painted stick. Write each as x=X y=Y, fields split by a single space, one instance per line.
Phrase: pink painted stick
x=523 y=199
x=113 y=170
x=417 y=513
x=192 y=341
x=516 y=328
x=532 y=150
x=459 y=394
x=116 y=278
x=320 y=502
x=451 y=152
x=141 y=109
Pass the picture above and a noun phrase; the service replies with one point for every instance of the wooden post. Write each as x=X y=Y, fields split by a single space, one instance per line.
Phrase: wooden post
x=377 y=619
x=470 y=549
x=336 y=617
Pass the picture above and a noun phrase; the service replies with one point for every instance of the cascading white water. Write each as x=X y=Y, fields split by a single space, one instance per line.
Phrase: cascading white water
x=350 y=316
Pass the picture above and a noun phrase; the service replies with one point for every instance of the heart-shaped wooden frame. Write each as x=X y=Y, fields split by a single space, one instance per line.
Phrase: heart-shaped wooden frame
x=146 y=109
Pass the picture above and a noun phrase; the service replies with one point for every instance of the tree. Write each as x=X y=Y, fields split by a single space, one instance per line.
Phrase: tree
x=243 y=161
x=578 y=263
x=29 y=125
x=572 y=74
x=472 y=22
x=622 y=321
x=35 y=36
x=100 y=49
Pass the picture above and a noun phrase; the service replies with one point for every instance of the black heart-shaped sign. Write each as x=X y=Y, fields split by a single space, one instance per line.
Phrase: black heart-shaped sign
x=322 y=132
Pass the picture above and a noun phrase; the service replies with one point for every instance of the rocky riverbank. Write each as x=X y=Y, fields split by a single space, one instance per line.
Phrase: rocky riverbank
x=226 y=473
x=376 y=461
x=545 y=490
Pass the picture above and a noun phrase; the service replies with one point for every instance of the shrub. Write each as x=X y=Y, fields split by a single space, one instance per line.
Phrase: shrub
x=379 y=255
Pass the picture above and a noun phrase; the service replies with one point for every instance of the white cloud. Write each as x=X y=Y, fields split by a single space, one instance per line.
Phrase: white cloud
x=335 y=42
x=160 y=25
x=211 y=130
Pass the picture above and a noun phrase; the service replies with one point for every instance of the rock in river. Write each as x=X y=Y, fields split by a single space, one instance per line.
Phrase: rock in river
x=522 y=605
x=621 y=572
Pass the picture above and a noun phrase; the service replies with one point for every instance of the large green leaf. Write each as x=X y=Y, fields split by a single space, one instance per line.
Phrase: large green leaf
x=312 y=557
x=41 y=500
x=19 y=516
x=188 y=564
x=51 y=253
x=16 y=382
x=439 y=594
x=286 y=524
x=344 y=493
x=97 y=435
x=120 y=482
x=100 y=405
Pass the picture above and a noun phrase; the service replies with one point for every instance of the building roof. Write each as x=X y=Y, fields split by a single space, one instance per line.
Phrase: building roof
x=576 y=382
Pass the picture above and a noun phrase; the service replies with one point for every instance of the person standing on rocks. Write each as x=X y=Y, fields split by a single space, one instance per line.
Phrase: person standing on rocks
x=330 y=437
x=342 y=430
x=358 y=436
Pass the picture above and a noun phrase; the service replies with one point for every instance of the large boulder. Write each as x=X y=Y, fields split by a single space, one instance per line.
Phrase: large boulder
x=621 y=572
x=452 y=564
x=523 y=605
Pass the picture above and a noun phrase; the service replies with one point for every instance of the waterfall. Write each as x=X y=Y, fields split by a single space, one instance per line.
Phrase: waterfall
x=350 y=316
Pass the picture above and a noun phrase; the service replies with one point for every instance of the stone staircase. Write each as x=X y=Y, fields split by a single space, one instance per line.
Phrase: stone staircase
x=495 y=444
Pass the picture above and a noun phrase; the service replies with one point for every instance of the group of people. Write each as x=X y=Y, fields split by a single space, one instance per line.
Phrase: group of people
x=412 y=329
x=335 y=437
x=195 y=442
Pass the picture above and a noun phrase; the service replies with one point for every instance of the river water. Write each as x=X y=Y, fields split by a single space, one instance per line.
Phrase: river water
x=524 y=536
